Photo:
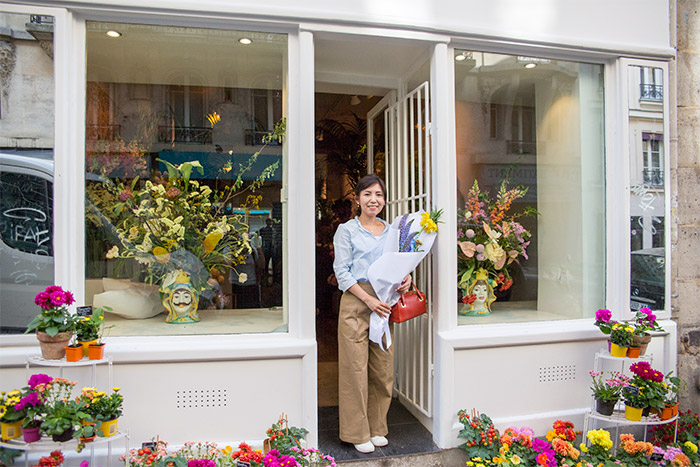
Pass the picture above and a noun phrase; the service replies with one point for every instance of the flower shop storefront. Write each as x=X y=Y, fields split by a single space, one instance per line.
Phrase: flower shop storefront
x=175 y=177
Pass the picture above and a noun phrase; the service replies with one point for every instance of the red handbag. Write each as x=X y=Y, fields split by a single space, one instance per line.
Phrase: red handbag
x=410 y=305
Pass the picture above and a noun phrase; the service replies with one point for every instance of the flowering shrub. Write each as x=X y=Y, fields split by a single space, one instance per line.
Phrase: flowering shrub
x=52 y=460
x=488 y=238
x=480 y=435
x=644 y=321
x=54 y=316
x=608 y=389
x=246 y=454
x=688 y=430
x=650 y=384
x=637 y=453
x=622 y=334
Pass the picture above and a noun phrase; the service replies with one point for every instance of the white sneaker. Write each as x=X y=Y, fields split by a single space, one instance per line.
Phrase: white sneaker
x=365 y=448
x=379 y=441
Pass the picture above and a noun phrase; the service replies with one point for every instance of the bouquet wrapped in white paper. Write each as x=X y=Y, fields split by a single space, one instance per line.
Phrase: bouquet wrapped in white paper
x=409 y=240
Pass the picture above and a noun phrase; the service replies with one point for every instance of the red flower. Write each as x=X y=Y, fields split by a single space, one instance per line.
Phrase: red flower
x=469 y=299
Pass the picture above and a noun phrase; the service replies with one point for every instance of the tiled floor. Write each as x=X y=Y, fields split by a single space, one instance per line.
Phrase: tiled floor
x=406 y=436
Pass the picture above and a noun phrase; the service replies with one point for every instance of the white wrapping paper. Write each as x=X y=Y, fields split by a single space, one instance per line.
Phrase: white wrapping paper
x=385 y=274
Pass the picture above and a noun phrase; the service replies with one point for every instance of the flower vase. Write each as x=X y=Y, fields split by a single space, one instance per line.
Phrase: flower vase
x=617 y=351
x=108 y=428
x=180 y=298
x=31 y=435
x=63 y=437
x=52 y=348
x=74 y=354
x=667 y=412
x=633 y=414
x=480 y=295
x=605 y=407
x=11 y=430
x=634 y=352
x=642 y=342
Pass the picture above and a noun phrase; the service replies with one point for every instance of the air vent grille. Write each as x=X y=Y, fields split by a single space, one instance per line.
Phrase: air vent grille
x=201 y=398
x=552 y=374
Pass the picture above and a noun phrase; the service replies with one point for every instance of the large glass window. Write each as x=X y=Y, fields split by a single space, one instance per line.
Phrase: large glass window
x=184 y=219
x=26 y=165
x=531 y=186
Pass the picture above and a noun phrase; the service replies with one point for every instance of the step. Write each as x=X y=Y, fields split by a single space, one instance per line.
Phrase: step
x=447 y=458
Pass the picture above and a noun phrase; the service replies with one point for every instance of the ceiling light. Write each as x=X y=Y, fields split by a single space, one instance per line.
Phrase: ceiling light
x=245 y=41
x=531 y=65
x=354 y=100
x=460 y=57
x=113 y=33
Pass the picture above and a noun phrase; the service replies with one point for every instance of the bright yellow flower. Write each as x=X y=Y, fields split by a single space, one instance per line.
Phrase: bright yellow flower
x=691 y=446
x=211 y=240
x=15 y=393
x=3 y=410
x=583 y=447
x=115 y=389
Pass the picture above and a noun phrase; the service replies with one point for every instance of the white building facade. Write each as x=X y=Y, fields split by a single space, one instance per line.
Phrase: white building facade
x=576 y=129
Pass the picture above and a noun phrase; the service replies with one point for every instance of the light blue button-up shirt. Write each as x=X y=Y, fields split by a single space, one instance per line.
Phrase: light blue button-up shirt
x=355 y=250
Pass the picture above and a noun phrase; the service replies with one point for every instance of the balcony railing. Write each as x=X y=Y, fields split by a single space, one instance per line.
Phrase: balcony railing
x=255 y=138
x=103 y=132
x=651 y=92
x=187 y=134
x=521 y=147
x=654 y=177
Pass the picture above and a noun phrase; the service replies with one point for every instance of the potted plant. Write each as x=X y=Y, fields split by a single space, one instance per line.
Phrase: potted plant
x=673 y=385
x=607 y=391
x=620 y=339
x=635 y=402
x=10 y=415
x=62 y=414
x=96 y=348
x=643 y=322
x=33 y=406
x=107 y=410
x=55 y=324
x=74 y=350
x=651 y=382
x=88 y=329
x=55 y=459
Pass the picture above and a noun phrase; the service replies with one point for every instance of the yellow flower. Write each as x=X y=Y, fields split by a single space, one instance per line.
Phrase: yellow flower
x=494 y=252
x=115 y=389
x=15 y=393
x=3 y=410
x=113 y=252
x=227 y=451
x=583 y=447
x=691 y=446
x=211 y=240
x=427 y=223
x=162 y=255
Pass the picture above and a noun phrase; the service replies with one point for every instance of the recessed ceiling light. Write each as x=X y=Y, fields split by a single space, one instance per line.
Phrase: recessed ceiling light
x=531 y=65
x=113 y=33
x=245 y=41
x=460 y=57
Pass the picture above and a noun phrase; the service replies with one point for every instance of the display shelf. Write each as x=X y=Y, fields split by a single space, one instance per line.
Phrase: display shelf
x=62 y=364
x=47 y=444
x=619 y=417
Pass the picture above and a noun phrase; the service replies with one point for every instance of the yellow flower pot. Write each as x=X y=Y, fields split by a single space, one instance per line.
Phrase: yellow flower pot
x=617 y=351
x=11 y=430
x=632 y=413
x=85 y=345
x=109 y=428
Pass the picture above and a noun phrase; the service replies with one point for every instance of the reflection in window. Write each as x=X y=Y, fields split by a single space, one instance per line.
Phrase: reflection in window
x=182 y=179
x=539 y=239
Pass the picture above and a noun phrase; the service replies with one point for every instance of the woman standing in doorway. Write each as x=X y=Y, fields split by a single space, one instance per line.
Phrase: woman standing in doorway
x=365 y=371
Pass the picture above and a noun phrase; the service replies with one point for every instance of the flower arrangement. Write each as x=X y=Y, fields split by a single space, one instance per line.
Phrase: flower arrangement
x=245 y=453
x=650 y=383
x=103 y=407
x=675 y=456
x=90 y=328
x=8 y=406
x=490 y=239
x=480 y=435
x=411 y=241
x=54 y=459
x=637 y=453
x=622 y=334
x=608 y=389
x=283 y=437
x=174 y=222
x=598 y=453
x=145 y=457
x=516 y=447
x=645 y=321
x=61 y=413
x=54 y=317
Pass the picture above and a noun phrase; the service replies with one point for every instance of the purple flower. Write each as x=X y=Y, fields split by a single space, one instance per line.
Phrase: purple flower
x=603 y=316
x=542 y=446
x=201 y=463
x=30 y=399
x=38 y=379
x=470 y=233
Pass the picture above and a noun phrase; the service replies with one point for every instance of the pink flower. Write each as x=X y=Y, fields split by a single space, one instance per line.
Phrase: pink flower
x=603 y=315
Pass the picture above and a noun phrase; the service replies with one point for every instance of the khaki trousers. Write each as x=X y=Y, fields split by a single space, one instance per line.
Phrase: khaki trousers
x=365 y=373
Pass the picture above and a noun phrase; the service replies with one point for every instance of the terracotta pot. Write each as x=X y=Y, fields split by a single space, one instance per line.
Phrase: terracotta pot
x=96 y=351
x=675 y=409
x=86 y=345
x=31 y=435
x=667 y=412
x=605 y=407
x=52 y=348
x=642 y=342
x=634 y=352
x=88 y=440
x=74 y=354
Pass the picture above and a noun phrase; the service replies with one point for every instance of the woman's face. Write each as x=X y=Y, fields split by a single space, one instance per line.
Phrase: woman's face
x=371 y=200
x=481 y=292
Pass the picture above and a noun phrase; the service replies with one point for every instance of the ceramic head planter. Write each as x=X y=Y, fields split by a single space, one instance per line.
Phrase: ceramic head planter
x=181 y=300
x=481 y=291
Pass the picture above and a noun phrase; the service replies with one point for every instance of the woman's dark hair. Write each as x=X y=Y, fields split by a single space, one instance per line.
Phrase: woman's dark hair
x=366 y=182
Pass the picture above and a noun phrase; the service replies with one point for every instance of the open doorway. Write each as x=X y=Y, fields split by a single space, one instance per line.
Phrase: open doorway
x=356 y=80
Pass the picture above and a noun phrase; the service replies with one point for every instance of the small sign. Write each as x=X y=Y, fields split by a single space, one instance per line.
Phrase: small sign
x=242 y=464
x=150 y=445
x=657 y=456
x=84 y=310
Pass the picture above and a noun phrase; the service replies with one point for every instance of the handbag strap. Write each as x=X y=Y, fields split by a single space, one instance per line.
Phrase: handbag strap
x=414 y=287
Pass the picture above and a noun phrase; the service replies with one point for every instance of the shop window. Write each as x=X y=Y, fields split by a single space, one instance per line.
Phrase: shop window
x=181 y=211
x=530 y=139
x=26 y=169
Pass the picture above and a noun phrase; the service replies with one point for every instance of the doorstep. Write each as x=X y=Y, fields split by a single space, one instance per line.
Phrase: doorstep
x=447 y=458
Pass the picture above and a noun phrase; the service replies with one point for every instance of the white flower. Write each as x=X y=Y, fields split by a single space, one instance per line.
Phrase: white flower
x=242 y=277
x=113 y=252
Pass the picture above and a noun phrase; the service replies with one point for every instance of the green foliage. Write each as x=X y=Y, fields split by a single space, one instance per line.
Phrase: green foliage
x=480 y=435
x=53 y=321
x=7 y=456
x=283 y=438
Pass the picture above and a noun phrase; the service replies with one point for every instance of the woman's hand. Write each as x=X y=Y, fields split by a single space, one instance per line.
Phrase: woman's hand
x=377 y=306
x=405 y=285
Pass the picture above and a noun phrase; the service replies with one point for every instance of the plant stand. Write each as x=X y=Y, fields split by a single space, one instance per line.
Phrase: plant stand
x=618 y=417
x=46 y=444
